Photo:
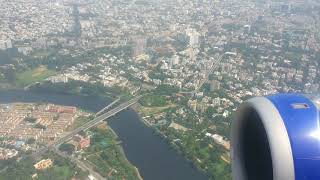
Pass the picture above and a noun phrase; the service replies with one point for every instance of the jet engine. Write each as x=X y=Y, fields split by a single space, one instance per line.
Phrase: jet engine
x=277 y=138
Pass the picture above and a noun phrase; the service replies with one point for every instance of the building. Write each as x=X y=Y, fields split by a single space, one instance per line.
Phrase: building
x=43 y=164
x=7 y=153
x=84 y=143
x=193 y=38
x=61 y=109
x=25 y=49
x=192 y=104
x=192 y=53
x=5 y=44
x=247 y=28
x=40 y=43
x=219 y=140
x=140 y=44
x=59 y=79
x=142 y=57
x=202 y=107
x=81 y=142
x=175 y=60
x=215 y=85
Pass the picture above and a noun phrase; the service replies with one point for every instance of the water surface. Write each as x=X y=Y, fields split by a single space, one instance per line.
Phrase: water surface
x=148 y=152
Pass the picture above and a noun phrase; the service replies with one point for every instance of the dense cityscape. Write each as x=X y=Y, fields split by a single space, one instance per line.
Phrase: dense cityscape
x=192 y=61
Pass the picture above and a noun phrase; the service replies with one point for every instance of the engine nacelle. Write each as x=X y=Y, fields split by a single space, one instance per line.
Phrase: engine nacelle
x=277 y=138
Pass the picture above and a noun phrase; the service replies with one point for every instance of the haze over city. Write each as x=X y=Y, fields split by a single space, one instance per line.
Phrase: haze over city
x=142 y=89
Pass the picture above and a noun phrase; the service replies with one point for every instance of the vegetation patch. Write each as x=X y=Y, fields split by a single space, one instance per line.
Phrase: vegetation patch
x=34 y=75
x=155 y=110
x=30 y=119
x=68 y=148
x=24 y=169
x=153 y=100
x=40 y=126
x=107 y=157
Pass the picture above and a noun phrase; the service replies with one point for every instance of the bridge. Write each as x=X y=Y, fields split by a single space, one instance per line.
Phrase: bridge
x=89 y=124
x=96 y=120
x=99 y=118
x=107 y=107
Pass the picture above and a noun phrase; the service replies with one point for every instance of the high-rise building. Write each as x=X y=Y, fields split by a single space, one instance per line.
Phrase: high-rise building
x=193 y=38
x=140 y=44
x=175 y=60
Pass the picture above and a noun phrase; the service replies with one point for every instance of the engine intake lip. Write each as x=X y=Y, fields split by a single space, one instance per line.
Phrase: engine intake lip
x=277 y=137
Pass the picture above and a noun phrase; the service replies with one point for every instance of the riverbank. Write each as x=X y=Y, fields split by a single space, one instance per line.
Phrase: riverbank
x=151 y=154
x=135 y=107
x=177 y=136
x=124 y=154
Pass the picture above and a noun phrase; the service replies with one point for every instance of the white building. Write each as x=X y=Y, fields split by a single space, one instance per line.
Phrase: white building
x=175 y=60
x=59 y=79
x=5 y=44
x=193 y=38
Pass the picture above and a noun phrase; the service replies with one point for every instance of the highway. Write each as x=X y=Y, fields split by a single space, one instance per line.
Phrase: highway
x=107 y=107
x=96 y=121
x=88 y=125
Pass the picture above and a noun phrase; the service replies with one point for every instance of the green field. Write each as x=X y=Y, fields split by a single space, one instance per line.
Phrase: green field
x=107 y=157
x=34 y=75
x=148 y=111
x=153 y=101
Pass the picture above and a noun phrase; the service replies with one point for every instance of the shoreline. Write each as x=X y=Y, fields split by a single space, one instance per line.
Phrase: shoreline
x=134 y=108
x=123 y=153
x=110 y=96
x=161 y=134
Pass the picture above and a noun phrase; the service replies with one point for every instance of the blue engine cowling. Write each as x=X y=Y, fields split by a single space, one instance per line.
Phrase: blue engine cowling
x=277 y=137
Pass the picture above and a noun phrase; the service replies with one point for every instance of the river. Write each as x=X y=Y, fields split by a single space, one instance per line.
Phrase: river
x=148 y=152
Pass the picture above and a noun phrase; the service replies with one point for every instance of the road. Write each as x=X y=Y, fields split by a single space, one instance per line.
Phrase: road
x=107 y=107
x=55 y=145
x=87 y=125
x=209 y=71
x=96 y=121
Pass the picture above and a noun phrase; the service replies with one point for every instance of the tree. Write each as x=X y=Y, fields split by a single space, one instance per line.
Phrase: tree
x=55 y=118
x=166 y=90
x=210 y=111
x=30 y=141
x=68 y=148
x=40 y=126
x=10 y=75
x=30 y=119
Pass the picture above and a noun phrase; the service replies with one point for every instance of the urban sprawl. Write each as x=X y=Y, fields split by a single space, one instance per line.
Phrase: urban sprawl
x=195 y=61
